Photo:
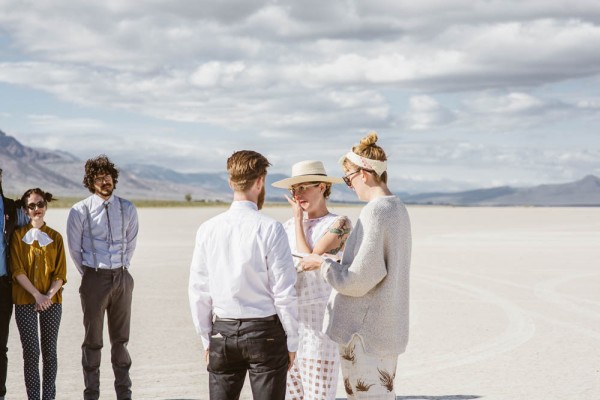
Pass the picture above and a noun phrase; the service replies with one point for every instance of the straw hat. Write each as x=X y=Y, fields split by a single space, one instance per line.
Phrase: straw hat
x=306 y=171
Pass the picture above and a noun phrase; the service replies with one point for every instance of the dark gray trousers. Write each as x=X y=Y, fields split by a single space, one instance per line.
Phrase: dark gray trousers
x=107 y=292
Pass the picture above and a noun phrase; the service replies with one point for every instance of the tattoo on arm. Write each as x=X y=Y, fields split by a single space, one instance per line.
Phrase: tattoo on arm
x=341 y=246
x=341 y=231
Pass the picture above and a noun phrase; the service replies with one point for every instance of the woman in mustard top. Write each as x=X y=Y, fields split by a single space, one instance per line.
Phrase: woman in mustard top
x=38 y=267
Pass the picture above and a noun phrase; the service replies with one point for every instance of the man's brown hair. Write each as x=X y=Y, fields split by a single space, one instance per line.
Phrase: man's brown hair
x=244 y=167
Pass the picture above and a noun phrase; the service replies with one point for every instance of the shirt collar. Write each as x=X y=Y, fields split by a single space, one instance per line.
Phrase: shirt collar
x=97 y=201
x=244 y=204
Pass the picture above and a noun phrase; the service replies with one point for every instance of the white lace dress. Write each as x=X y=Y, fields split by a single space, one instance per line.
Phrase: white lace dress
x=315 y=372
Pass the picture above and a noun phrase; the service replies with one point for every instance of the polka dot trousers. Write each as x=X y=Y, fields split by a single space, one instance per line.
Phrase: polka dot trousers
x=49 y=322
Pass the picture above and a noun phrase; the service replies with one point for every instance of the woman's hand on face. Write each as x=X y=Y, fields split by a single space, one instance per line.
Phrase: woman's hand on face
x=296 y=209
x=311 y=262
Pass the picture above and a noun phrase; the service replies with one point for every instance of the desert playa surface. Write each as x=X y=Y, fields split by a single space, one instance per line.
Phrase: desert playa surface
x=505 y=304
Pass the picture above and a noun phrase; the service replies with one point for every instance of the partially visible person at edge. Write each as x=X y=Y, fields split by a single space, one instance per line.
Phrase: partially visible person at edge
x=39 y=270
x=315 y=371
x=102 y=232
x=367 y=314
x=13 y=216
x=241 y=290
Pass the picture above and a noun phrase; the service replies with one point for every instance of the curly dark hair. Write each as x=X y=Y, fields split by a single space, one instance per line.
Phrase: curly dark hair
x=97 y=166
x=45 y=195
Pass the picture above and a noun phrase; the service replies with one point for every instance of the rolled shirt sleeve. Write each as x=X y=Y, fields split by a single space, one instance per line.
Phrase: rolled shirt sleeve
x=17 y=264
x=60 y=271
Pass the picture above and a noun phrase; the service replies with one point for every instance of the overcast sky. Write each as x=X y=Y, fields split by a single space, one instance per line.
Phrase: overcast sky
x=463 y=94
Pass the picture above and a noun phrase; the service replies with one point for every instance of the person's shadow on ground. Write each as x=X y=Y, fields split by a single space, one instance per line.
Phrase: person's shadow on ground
x=422 y=397
x=416 y=397
x=448 y=397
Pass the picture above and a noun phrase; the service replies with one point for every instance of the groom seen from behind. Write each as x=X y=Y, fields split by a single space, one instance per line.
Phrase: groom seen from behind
x=241 y=290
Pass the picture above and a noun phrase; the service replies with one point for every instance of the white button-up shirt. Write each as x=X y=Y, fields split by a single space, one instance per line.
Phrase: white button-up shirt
x=114 y=231
x=242 y=267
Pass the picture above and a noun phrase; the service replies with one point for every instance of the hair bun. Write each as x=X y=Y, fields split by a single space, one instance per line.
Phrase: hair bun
x=370 y=139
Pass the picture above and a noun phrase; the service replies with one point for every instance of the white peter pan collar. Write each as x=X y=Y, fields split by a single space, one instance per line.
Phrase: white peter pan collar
x=35 y=234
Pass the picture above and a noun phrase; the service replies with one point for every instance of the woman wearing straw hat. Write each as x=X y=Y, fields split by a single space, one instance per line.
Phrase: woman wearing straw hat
x=367 y=314
x=314 y=374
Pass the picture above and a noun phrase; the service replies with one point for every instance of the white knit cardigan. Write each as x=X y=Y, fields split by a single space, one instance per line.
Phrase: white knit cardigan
x=371 y=285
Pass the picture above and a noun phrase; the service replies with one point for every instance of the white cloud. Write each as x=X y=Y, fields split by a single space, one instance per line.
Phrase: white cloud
x=514 y=111
x=511 y=103
x=217 y=74
x=481 y=164
x=591 y=104
x=174 y=65
x=425 y=113
x=292 y=72
x=45 y=123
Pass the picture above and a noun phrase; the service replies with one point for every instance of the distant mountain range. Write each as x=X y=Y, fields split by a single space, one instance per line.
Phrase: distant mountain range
x=61 y=173
x=585 y=192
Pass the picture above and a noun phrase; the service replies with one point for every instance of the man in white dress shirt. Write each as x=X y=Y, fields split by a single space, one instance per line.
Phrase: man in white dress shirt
x=241 y=290
x=102 y=232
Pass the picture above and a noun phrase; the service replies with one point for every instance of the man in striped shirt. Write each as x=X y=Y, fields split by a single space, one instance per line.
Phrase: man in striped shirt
x=102 y=232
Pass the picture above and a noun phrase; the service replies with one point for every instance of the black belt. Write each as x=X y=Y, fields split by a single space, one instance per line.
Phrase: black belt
x=105 y=270
x=273 y=317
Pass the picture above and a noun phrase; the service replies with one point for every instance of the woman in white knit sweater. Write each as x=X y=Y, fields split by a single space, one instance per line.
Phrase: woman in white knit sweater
x=367 y=314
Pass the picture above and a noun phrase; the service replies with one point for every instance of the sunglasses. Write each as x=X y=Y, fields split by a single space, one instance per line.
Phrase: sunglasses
x=34 y=206
x=302 y=188
x=347 y=178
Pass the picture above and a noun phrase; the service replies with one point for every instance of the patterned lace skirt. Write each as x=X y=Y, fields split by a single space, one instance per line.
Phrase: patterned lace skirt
x=314 y=374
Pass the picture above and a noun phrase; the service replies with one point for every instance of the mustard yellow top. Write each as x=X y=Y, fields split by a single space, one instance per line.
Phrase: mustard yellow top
x=42 y=265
